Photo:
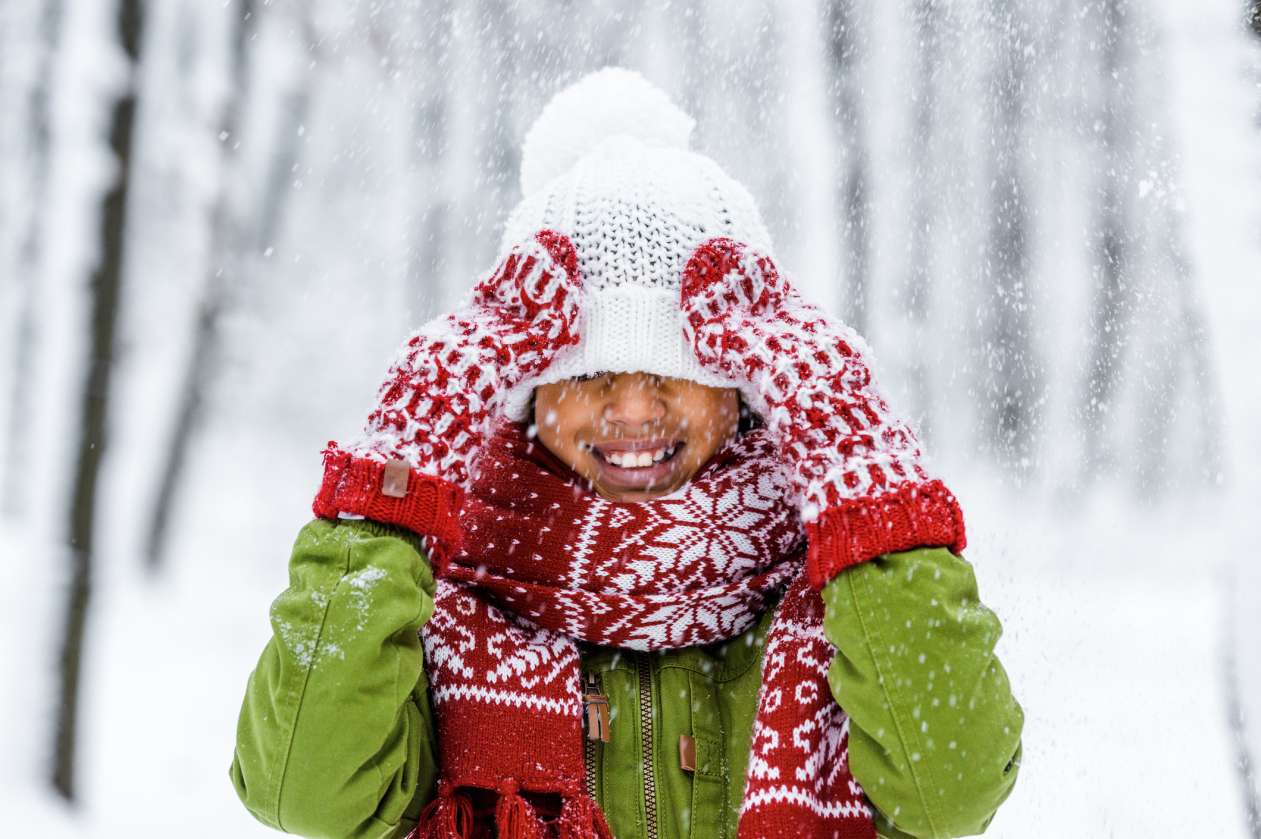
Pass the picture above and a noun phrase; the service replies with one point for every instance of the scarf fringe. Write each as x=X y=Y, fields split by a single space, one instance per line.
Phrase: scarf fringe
x=515 y=818
x=448 y=816
x=582 y=818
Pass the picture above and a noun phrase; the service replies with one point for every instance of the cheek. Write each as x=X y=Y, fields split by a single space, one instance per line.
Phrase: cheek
x=559 y=419
x=712 y=420
x=715 y=419
x=555 y=410
x=560 y=443
x=574 y=415
x=546 y=418
x=728 y=413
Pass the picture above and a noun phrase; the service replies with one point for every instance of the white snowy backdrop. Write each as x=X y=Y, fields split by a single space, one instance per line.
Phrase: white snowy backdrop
x=218 y=219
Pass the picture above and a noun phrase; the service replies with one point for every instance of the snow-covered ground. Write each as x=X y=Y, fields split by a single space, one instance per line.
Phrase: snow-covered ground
x=1113 y=627
x=1115 y=615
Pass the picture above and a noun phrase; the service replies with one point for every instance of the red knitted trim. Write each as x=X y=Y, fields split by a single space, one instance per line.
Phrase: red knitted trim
x=912 y=516
x=430 y=508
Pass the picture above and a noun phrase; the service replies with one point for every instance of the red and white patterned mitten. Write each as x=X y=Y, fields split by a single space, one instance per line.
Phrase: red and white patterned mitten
x=857 y=467
x=412 y=463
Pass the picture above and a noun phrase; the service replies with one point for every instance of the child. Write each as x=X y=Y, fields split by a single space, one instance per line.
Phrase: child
x=631 y=546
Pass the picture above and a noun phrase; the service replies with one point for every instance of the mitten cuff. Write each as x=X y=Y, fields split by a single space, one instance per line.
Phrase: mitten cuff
x=392 y=493
x=914 y=515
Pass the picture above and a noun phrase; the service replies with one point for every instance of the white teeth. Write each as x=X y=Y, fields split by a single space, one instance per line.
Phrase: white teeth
x=638 y=460
x=635 y=460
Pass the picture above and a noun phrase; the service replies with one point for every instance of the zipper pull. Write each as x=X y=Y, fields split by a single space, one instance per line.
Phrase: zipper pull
x=596 y=705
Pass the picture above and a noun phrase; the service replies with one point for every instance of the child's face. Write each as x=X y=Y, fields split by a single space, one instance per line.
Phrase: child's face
x=603 y=426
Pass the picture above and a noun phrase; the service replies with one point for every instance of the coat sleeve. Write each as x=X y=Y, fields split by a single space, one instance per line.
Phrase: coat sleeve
x=934 y=734
x=335 y=735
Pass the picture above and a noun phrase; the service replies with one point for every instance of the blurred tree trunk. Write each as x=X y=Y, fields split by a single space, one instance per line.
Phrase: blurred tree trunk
x=697 y=67
x=431 y=146
x=1009 y=377
x=1113 y=289
x=104 y=299
x=499 y=148
x=611 y=32
x=917 y=287
x=845 y=36
x=227 y=242
x=1179 y=376
x=30 y=259
x=278 y=185
x=1236 y=717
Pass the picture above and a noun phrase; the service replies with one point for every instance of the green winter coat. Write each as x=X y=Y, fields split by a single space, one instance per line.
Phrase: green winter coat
x=336 y=734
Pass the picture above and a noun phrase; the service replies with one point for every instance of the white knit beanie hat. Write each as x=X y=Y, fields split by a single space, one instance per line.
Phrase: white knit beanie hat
x=607 y=164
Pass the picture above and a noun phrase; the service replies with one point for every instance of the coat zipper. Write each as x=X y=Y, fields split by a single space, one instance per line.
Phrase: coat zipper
x=644 y=666
x=596 y=722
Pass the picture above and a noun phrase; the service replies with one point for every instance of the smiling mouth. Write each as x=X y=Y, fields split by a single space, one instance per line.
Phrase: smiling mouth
x=637 y=457
x=636 y=465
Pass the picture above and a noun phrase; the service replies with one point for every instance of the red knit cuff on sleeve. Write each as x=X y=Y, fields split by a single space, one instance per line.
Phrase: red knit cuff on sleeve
x=424 y=504
x=914 y=515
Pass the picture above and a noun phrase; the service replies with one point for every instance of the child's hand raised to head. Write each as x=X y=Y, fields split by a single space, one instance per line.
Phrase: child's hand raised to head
x=855 y=465
x=451 y=374
x=411 y=464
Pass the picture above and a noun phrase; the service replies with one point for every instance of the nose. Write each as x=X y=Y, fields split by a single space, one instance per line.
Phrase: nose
x=634 y=401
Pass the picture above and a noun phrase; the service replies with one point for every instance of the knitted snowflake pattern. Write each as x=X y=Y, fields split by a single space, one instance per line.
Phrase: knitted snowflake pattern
x=546 y=565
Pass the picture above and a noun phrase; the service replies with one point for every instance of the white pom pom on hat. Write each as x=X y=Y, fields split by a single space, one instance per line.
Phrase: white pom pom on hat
x=609 y=102
x=607 y=163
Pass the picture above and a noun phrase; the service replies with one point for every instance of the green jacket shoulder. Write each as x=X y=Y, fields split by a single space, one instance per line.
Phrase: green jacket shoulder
x=934 y=727
x=335 y=737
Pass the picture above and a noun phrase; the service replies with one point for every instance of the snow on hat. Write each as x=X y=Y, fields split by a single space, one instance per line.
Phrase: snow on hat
x=607 y=163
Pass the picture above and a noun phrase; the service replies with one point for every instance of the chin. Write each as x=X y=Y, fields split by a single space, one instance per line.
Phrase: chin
x=619 y=494
x=633 y=495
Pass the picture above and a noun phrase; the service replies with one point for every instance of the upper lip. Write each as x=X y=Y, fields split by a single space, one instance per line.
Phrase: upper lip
x=636 y=445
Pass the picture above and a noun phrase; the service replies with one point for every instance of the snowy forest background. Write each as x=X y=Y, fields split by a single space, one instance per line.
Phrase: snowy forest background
x=217 y=220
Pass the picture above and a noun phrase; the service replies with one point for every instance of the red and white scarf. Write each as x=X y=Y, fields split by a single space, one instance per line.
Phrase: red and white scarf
x=546 y=563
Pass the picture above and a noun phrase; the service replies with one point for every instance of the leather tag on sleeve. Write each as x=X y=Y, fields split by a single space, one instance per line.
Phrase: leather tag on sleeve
x=394 y=479
x=687 y=753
